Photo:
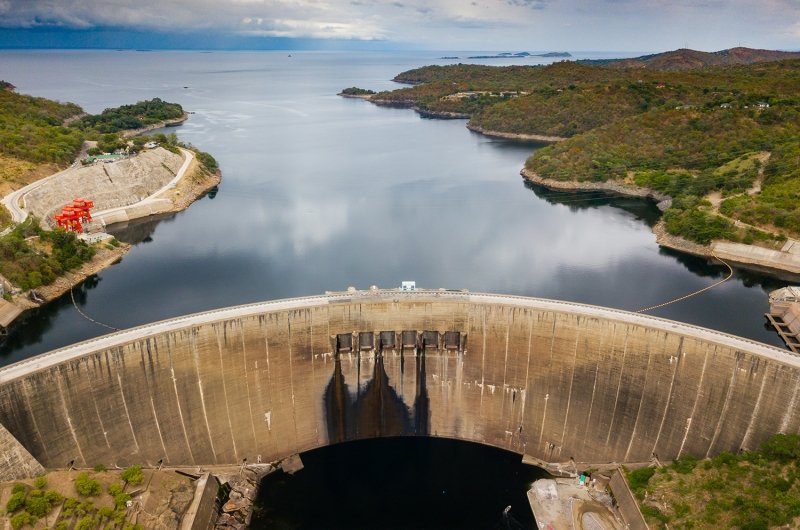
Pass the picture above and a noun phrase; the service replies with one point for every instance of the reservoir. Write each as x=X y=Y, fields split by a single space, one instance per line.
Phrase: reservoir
x=321 y=192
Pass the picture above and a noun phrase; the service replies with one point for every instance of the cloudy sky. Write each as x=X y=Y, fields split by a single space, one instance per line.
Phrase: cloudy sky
x=623 y=25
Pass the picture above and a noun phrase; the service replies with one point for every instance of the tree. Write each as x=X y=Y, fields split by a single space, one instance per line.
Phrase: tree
x=133 y=475
x=86 y=486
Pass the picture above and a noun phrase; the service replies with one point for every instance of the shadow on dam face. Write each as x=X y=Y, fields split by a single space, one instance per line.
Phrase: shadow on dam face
x=375 y=409
x=549 y=379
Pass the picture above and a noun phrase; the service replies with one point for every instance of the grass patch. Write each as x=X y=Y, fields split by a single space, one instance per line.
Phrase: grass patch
x=758 y=489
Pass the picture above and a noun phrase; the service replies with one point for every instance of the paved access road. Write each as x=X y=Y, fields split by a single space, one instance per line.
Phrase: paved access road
x=19 y=214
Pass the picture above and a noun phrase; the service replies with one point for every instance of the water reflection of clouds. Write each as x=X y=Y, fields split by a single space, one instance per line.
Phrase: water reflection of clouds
x=297 y=224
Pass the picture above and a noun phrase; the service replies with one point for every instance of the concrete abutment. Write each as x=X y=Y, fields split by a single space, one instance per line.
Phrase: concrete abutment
x=552 y=380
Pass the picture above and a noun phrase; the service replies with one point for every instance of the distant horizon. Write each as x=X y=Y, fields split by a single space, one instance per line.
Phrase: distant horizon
x=119 y=39
x=623 y=25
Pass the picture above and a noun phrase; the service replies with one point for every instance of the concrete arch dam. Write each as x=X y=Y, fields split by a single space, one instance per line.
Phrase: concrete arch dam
x=549 y=379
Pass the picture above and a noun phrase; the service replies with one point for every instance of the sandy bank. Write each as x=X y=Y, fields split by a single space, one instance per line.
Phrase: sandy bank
x=783 y=263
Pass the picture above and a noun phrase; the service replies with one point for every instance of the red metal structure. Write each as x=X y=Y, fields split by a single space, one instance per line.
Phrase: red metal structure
x=73 y=215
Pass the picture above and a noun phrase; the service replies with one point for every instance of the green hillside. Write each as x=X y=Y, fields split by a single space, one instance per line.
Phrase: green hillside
x=678 y=132
x=32 y=129
x=753 y=490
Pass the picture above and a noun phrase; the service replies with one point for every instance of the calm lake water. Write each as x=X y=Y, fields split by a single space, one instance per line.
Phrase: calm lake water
x=321 y=192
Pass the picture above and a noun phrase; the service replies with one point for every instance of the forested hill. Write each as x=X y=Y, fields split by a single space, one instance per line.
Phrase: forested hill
x=135 y=116
x=723 y=141
x=33 y=129
x=686 y=59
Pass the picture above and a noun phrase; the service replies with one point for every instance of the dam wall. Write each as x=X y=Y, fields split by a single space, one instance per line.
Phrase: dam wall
x=550 y=379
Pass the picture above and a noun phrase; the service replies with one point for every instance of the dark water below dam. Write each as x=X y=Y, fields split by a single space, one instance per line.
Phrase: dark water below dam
x=400 y=483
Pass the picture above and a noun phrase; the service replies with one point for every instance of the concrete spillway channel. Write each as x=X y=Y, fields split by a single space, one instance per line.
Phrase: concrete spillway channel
x=552 y=380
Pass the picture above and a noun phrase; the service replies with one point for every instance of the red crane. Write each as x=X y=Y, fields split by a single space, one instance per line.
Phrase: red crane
x=73 y=215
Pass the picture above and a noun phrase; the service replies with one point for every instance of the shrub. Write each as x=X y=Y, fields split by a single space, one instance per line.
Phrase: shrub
x=87 y=523
x=121 y=500
x=638 y=479
x=19 y=488
x=85 y=507
x=53 y=497
x=100 y=467
x=16 y=502
x=40 y=483
x=114 y=489
x=133 y=475
x=725 y=458
x=684 y=464
x=782 y=447
x=86 y=486
x=21 y=519
x=37 y=504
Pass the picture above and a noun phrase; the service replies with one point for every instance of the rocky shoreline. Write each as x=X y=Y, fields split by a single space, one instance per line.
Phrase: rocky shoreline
x=166 y=123
x=105 y=257
x=783 y=263
x=664 y=201
x=446 y=115
x=541 y=138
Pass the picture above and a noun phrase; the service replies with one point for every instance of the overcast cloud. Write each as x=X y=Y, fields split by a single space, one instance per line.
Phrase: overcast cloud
x=446 y=24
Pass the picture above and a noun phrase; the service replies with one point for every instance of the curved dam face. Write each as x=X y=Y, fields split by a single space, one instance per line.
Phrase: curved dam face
x=549 y=379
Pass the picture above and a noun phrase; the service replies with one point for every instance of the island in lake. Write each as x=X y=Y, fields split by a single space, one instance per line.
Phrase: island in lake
x=509 y=55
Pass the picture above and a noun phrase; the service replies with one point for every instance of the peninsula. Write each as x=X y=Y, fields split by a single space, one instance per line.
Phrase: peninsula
x=52 y=153
x=717 y=146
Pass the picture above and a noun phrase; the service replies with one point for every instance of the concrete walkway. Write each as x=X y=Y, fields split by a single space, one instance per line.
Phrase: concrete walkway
x=52 y=358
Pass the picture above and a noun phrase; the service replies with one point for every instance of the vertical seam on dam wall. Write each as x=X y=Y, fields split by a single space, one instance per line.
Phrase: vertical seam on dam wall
x=668 y=401
x=247 y=384
x=756 y=410
x=792 y=404
x=725 y=404
x=225 y=389
x=178 y=403
x=694 y=407
x=571 y=382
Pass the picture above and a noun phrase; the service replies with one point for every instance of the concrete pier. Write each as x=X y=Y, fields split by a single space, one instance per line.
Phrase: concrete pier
x=553 y=380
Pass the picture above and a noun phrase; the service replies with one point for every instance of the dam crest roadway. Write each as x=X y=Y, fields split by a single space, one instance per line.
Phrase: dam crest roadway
x=552 y=380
